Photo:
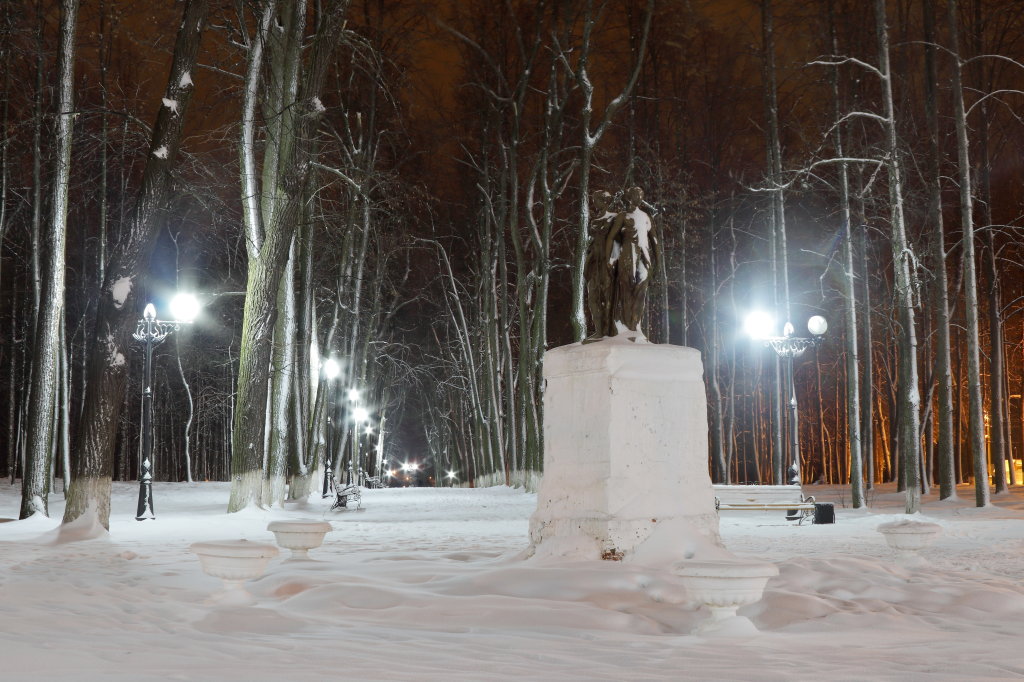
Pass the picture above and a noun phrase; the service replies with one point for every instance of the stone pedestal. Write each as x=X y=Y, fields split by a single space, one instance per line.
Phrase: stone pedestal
x=625 y=454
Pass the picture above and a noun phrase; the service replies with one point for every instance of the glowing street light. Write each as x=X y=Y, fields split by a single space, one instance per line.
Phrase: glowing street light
x=184 y=307
x=353 y=395
x=151 y=331
x=759 y=325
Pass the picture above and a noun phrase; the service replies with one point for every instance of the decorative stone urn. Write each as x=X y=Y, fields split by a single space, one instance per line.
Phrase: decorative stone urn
x=300 y=536
x=234 y=562
x=907 y=537
x=724 y=586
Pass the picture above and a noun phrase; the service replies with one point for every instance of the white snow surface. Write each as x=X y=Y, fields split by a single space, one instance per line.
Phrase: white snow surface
x=119 y=291
x=431 y=584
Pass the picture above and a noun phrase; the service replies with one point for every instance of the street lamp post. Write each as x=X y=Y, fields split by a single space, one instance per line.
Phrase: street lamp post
x=331 y=370
x=360 y=415
x=788 y=347
x=151 y=332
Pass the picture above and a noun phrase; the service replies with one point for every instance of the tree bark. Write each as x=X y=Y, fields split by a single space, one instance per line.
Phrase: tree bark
x=976 y=425
x=943 y=359
x=117 y=309
x=273 y=229
x=853 y=433
x=35 y=483
x=903 y=258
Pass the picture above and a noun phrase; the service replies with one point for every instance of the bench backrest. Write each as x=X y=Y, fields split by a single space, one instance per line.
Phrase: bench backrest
x=757 y=494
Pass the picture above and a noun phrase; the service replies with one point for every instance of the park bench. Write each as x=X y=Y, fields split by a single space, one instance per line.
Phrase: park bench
x=787 y=498
x=345 y=494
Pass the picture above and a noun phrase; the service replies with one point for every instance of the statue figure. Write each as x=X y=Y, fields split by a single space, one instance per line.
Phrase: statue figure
x=598 y=271
x=622 y=256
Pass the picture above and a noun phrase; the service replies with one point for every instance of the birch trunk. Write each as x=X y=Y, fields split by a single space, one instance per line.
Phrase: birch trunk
x=853 y=434
x=976 y=425
x=35 y=483
x=903 y=260
x=783 y=390
x=944 y=453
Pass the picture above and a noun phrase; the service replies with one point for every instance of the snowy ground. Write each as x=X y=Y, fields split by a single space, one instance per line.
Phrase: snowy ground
x=429 y=584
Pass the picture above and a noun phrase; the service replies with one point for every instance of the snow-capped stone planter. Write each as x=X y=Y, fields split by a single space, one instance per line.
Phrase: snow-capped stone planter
x=300 y=536
x=724 y=586
x=907 y=537
x=234 y=562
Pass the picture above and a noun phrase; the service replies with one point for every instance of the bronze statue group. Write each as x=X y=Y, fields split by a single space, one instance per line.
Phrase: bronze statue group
x=623 y=253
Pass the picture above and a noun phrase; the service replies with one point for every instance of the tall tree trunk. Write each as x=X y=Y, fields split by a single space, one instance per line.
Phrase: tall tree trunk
x=282 y=385
x=784 y=391
x=940 y=302
x=903 y=259
x=997 y=365
x=976 y=425
x=269 y=234
x=117 y=309
x=849 y=294
x=35 y=482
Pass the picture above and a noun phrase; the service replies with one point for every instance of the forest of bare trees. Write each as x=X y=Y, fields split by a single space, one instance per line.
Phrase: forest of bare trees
x=404 y=187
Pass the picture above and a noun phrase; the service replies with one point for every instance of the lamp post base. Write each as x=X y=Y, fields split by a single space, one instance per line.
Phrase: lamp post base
x=145 y=510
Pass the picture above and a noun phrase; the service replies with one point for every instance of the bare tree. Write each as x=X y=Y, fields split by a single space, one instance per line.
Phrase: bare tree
x=272 y=202
x=976 y=424
x=940 y=303
x=117 y=312
x=35 y=483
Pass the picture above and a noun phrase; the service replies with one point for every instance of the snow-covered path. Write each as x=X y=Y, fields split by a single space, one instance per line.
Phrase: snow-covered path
x=429 y=584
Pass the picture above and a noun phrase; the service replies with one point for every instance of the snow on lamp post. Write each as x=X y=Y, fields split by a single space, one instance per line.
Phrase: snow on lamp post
x=150 y=332
x=759 y=325
x=331 y=369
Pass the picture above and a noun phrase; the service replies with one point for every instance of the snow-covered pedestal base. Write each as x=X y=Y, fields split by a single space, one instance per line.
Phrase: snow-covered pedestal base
x=625 y=454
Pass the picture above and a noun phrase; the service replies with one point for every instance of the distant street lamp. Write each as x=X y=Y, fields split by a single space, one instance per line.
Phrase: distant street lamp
x=151 y=332
x=759 y=325
x=331 y=369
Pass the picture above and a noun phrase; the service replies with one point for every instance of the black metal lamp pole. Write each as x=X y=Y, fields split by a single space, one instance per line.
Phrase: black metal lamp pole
x=788 y=347
x=329 y=370
x=329 y=446
x=355 y=451
x=151 y=332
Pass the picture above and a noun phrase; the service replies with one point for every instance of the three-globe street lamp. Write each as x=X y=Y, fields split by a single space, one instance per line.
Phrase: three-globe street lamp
x=759 y=325
x=151 y=331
